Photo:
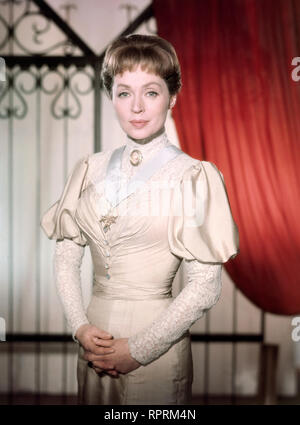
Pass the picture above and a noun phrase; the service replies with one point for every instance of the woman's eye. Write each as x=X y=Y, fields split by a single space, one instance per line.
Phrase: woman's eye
x=152 y=93
x=123 y=94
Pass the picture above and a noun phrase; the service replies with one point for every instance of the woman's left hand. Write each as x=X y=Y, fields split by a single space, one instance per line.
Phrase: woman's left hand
x=121 y=359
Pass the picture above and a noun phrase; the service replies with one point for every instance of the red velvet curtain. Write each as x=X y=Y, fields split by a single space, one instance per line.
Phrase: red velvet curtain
x=240 y=109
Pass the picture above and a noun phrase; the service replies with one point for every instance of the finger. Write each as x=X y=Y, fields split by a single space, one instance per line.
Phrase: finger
x=102 y=342
x=95 y=348
x=99 y=354
x=102 y=334
x=97 y=351
x=99 y=370
x=107 y=372
x=96 y=369
x=104 y=351
x=103 y=365
x=106 y=336
x=113 y=373
x=89 y=356
x=99 y=361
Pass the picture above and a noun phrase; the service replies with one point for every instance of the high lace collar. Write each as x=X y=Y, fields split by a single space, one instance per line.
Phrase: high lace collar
x=149 y=148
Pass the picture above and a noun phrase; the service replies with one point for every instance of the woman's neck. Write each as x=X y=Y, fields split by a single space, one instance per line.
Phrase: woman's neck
x=149 y=138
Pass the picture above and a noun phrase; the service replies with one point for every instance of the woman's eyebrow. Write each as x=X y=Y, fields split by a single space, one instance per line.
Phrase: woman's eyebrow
x=144 y=85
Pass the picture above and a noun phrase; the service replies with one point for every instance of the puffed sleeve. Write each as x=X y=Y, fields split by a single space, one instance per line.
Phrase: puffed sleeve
x=201 y=225
x=58 y=222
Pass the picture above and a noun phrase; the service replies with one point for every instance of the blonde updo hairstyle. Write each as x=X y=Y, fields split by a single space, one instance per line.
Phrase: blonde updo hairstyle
x=153 y=53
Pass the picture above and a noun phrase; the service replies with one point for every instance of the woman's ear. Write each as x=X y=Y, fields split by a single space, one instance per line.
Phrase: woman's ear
x=172 y=101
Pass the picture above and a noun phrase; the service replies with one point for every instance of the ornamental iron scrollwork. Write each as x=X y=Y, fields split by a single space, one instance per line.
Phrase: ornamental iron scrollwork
x=66 y=90
x=31 y=21
x=14 y=108
x=129 y=8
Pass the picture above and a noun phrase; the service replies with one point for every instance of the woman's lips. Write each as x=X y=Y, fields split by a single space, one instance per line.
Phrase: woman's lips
x=139 y=123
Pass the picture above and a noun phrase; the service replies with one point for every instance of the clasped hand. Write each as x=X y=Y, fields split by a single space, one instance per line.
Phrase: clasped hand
x=106 y=354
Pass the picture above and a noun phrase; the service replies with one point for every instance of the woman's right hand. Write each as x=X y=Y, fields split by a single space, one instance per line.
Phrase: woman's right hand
x=96 y=341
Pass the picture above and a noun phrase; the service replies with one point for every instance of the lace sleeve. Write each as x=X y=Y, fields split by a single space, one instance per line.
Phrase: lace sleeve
x=202 y=291
x=67 y=262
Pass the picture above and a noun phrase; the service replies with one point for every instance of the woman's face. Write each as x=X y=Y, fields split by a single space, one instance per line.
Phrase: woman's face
x=141 y=101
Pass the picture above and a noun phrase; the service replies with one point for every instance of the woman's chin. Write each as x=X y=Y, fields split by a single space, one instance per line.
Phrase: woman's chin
x=139 y=134
x=143 y=133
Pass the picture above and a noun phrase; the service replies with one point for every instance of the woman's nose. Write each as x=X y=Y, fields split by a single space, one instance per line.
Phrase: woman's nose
x=137 y=104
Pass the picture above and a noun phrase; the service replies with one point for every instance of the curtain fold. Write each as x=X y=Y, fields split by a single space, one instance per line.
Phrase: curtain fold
x=240 y=109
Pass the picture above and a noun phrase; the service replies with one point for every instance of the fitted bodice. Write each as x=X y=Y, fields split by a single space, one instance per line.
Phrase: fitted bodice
x=136 y=242
x=153 y=230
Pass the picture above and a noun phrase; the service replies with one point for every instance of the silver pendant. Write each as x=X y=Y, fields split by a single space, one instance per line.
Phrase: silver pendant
x=136 y=157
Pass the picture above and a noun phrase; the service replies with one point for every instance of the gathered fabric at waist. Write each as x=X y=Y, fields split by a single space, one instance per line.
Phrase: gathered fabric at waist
x=128 y=291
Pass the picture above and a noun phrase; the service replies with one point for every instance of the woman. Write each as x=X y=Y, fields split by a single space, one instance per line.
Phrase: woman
x=131 y=206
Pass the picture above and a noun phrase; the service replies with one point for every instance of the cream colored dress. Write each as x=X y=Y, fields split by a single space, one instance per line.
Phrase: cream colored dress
x=135 y=262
